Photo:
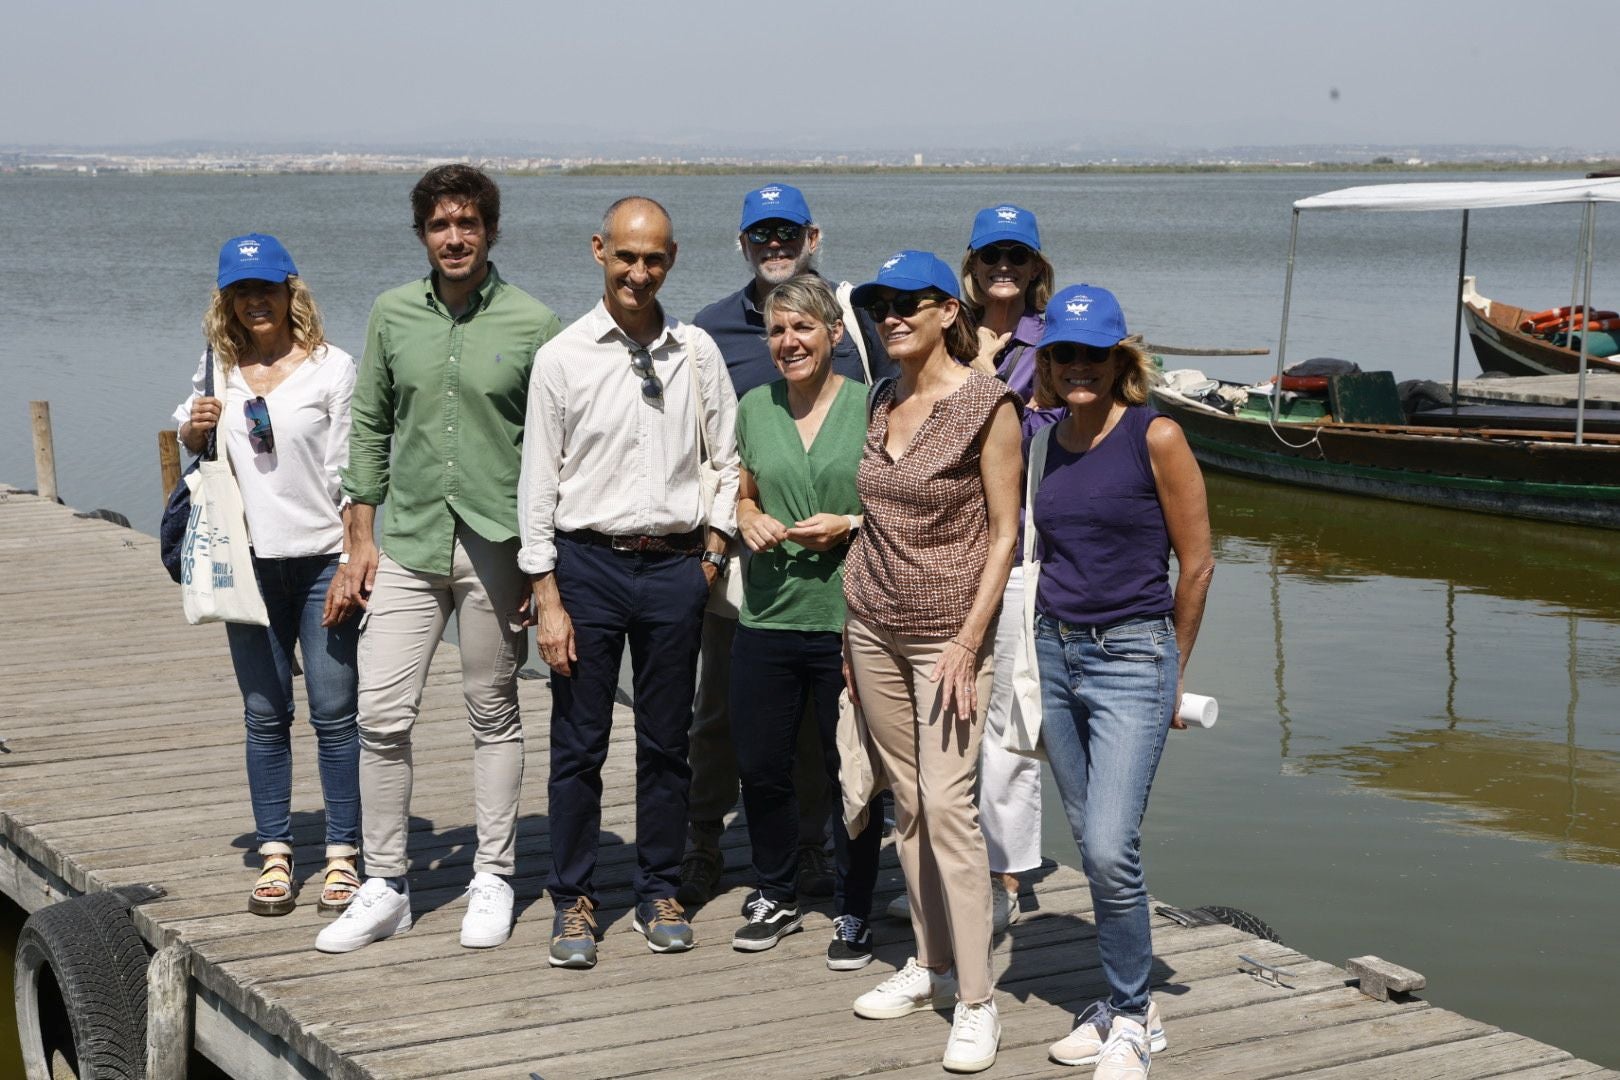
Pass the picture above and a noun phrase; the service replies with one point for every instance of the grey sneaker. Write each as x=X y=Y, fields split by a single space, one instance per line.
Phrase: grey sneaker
x=815 y=878
x=700 y=874
x=663 y=923
x=1125 y=1055
x=573 y=936
x=1084 y=1044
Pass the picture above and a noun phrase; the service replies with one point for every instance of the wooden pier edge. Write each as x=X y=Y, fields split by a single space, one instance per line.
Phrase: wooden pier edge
x=128 y=769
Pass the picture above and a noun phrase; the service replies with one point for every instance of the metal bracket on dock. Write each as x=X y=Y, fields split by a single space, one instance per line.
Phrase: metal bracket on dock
x=1266 y=973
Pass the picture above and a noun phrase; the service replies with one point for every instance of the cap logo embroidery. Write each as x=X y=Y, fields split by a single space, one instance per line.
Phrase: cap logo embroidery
x=1077 y=307
x=247 y=249
x=770 y=194
x=1007 y=213
x=894 y=262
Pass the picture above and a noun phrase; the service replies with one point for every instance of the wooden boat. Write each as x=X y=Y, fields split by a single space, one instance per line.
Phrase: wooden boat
x=1418 y=458
x=1499 y=344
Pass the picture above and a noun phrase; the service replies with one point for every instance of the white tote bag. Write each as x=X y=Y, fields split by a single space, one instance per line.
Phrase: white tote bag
x=217 y=583
x=725 y=599
x=1024 y=734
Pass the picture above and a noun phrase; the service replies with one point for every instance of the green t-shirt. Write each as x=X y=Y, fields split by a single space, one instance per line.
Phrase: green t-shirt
x=791 y=587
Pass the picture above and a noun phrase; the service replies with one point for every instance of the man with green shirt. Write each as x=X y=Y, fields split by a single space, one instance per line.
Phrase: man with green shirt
x=438 y=425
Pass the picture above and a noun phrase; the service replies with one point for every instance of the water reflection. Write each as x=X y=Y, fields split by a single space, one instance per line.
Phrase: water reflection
x=1516 y=761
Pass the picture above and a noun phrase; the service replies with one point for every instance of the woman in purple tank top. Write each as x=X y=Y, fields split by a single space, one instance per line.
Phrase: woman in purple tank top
x=1119 y=490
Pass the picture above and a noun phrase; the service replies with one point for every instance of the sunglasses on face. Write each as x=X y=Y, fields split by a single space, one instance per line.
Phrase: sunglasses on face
x=905 y=305
x=785 y=231
x=1011 y=254
x=1072 y=352
x=641 y=362
x=260 y=434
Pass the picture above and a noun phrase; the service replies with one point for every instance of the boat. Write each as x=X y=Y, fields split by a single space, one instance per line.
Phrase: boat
x=1357 y=437
x=1501 y=346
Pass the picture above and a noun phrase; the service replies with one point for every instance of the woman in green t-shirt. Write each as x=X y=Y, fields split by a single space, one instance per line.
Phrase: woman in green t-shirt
x=800 y=440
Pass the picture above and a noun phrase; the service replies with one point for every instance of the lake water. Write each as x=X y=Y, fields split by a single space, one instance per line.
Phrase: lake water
x=1419 y=747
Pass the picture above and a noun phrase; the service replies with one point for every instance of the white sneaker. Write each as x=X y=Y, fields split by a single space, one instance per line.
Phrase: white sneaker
x=975 y=1034
x=1003 y=907
x=1084 y=1044
x=1125 y=1055
x=375 y=912
x=488 y=921
x=911 y=989
x=899 y=908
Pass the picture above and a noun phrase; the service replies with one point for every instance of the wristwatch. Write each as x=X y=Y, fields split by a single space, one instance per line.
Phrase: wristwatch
x=716 y=559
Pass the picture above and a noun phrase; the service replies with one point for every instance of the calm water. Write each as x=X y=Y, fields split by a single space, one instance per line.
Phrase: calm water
x=1419 y=752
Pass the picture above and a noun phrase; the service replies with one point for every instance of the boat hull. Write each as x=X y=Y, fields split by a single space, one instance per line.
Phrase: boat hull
x=1500 y=346
x=1528 y=478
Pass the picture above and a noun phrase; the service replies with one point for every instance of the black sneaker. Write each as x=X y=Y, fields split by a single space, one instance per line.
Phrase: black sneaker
x=815 y=878
x=700 y=873
x=851 y=947
x=768 y=922
x=748 y=902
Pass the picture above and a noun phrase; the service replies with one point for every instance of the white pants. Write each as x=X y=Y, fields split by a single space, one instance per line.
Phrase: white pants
x=1009 y=784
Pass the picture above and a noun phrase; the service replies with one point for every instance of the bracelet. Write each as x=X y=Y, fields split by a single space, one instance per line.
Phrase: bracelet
x=854 y=522
x=965 y=645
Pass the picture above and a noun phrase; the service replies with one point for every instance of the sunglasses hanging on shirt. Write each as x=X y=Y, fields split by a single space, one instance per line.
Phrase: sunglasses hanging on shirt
x=260 y=434
x=641 y=362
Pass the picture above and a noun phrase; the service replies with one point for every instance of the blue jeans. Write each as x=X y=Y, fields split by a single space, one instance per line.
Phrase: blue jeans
x=294 y=593
x=1107 y=696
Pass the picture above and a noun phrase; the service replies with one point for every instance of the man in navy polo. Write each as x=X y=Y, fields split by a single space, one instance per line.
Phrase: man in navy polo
x=778 y=241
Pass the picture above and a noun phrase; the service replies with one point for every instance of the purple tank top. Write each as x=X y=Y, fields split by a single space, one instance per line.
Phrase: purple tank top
x=1105 y=552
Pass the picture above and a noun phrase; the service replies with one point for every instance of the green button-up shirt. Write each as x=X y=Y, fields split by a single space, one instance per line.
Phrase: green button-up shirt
x=447 y=396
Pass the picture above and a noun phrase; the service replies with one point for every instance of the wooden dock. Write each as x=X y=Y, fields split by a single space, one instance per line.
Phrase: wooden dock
x=122 y=763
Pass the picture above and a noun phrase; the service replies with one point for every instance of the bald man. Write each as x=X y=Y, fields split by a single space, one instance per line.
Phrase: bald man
x=620 y=548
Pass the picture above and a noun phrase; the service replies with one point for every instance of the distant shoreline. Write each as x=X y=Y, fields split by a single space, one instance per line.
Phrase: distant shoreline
x=780 y=169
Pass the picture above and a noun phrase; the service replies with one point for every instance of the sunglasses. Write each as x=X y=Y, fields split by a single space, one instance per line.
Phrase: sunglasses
x=641 y=362
x=785 y=231
x=260 y=434
x=1072 y=352
x=905 y=305
x=1011 y=254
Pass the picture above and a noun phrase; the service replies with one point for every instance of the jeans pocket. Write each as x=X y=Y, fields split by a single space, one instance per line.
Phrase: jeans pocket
x=1139 y=642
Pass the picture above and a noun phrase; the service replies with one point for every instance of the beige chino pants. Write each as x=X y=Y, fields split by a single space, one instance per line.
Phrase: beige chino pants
x=402 y=630
x=932 y=764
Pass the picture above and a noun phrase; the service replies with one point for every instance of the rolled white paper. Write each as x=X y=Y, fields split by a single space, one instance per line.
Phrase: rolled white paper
x=1199 y=711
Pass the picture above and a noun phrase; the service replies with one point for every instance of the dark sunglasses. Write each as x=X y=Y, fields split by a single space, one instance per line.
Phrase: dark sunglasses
x=905 y=305
x=1071 y=352
x=1011 y=254
x=260 y=434
x=641 y=362
x=785 y=231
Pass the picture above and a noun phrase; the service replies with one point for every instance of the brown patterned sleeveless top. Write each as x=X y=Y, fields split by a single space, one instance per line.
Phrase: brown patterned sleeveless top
x=915 y=565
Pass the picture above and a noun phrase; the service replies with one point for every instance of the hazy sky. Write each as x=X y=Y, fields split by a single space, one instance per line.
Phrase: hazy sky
x=801 y=73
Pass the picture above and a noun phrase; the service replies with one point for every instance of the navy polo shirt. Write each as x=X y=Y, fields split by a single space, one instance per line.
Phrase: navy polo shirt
x=738 y=327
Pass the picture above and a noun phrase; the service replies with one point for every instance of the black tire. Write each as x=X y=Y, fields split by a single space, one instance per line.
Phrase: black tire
x=1239 y=919
x=87 y=950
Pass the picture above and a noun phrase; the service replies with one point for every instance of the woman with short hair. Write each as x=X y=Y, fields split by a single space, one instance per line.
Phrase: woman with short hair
x=939 y=483
x=800 y=440
x=282 y=420
x=1118 y=491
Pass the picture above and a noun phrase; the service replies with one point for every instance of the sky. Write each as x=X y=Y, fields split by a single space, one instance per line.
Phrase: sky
x=814 y=73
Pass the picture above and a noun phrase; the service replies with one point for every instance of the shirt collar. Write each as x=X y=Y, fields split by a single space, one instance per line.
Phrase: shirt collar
x=1028 y=330
x=485 y=292
x=603 y=327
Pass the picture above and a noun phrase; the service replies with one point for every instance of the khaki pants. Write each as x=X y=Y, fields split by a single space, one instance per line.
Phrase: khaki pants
x=932 y=764
x=402 y=629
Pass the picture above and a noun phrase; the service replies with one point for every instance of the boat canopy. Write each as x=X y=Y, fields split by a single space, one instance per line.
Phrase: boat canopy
x=1472 y=195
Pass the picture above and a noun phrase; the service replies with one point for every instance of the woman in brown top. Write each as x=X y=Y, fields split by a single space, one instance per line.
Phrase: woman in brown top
x=939 y=482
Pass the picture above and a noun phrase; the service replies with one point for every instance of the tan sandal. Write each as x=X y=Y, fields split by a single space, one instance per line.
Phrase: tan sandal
x=273 y=892
x=339 y=883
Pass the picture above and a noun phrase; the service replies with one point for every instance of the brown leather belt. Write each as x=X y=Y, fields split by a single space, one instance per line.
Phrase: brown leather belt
x=687 y=543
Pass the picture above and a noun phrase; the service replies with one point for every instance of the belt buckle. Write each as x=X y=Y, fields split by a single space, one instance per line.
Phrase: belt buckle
x=624 y=543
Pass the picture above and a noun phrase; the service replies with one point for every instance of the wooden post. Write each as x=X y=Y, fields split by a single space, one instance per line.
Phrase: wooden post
x=44 y=450
x=169 y=460
x=168 y=1014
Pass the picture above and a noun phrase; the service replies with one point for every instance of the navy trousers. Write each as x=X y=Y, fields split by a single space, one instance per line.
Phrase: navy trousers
x=654 y=602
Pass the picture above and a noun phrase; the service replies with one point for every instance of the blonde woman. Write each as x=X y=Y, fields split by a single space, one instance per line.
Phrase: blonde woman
x=282 y=413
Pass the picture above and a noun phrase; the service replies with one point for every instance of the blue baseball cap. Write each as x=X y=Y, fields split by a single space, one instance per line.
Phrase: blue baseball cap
x=774 y=201
x=254 y=257
x=1005 y=223
x=1087 y=314
x=909 y=271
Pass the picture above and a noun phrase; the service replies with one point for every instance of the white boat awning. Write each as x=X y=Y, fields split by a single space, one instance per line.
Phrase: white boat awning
x=1472 y=195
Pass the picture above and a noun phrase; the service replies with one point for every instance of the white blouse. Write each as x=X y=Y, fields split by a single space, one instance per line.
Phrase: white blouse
x=292 y=496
